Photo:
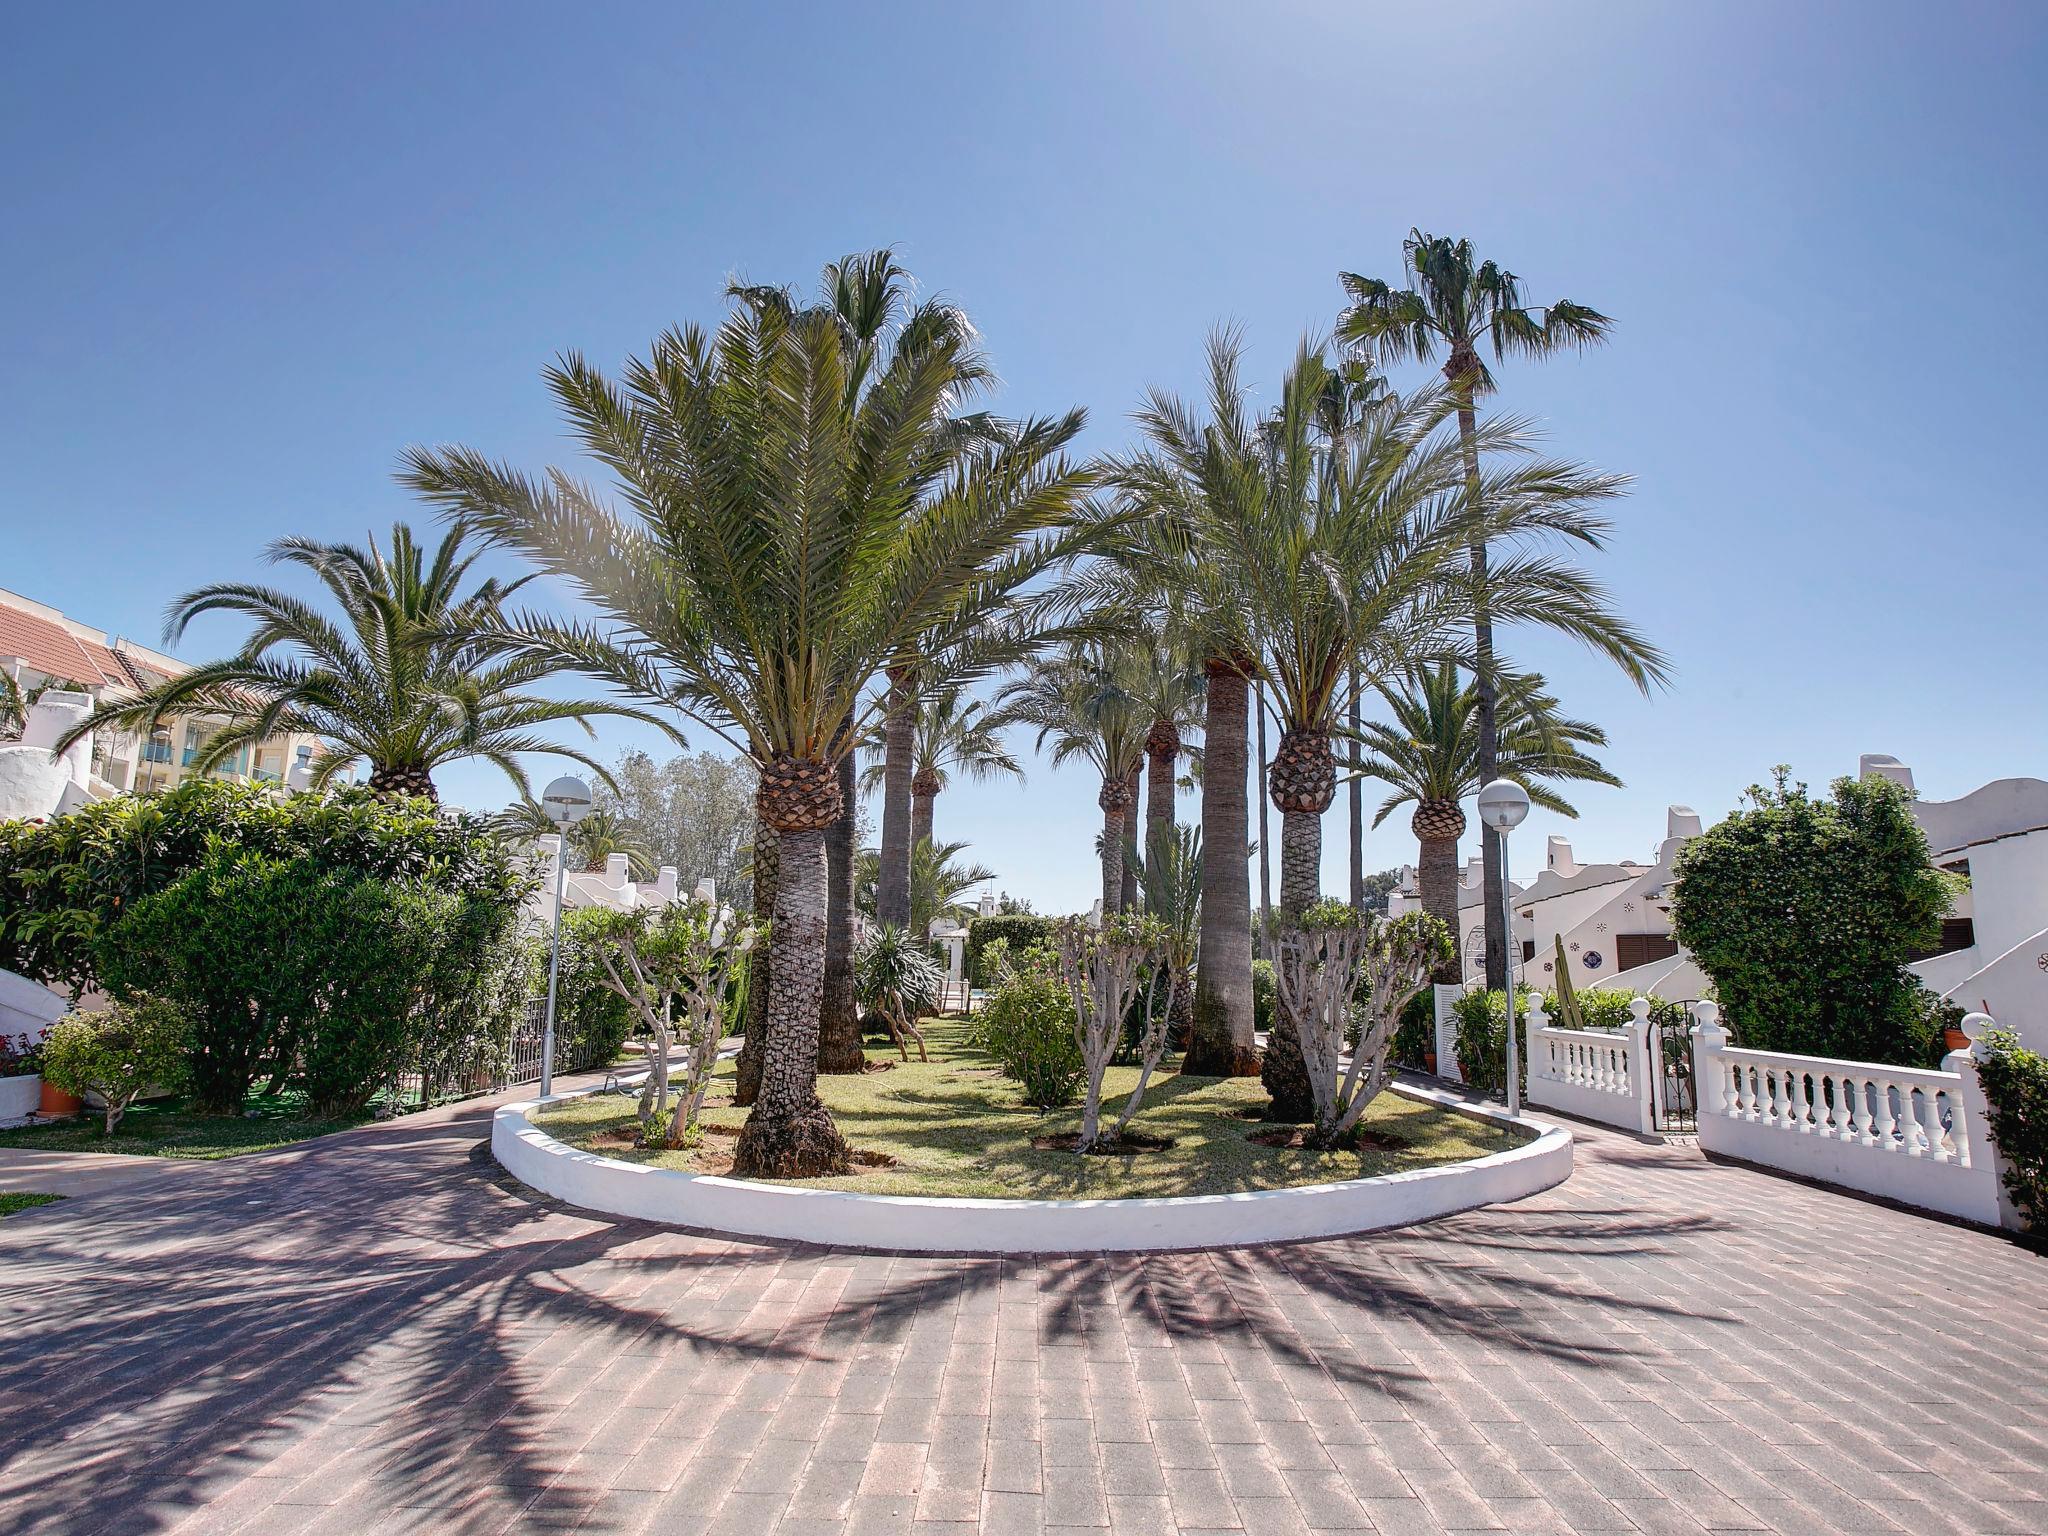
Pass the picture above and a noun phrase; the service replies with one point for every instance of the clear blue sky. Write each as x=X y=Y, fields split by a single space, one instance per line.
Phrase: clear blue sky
x=249 y=253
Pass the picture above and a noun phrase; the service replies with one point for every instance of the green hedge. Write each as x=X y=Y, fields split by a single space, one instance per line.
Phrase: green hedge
x=1021 y=930
x=1806 y=912
x=2016 y=1088
x=1028 y=1026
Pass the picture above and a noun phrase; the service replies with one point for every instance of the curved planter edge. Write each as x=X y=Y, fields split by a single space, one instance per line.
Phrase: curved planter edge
x=929 y=1224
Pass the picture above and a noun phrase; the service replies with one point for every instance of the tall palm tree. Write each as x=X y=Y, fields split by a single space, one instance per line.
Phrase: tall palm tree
x=1167 y=683
x=797 y=523
x=1427 y=752
x=1196 y=468
x=403 y=678
x=1082 y=702
x=1456 y=303
x=1352 y=555
x=952 y=734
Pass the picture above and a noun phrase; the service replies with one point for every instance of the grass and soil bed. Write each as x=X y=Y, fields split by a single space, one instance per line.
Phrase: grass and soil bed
x=956 y=1127
x=24 y=1201
x=172 y=1128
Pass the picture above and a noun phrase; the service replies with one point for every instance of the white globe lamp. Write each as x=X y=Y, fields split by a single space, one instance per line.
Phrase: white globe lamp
x=1504 y=806
x=566 y=801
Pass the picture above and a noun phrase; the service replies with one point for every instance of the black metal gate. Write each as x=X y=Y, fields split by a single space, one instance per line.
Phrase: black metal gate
x=1674 y=1106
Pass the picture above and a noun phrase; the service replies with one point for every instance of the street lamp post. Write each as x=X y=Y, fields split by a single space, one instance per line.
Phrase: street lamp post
x=1503 y=805
x=566 y=801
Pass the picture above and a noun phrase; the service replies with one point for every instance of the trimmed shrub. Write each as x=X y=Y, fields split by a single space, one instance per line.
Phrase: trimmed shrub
x=1028 y=1027
x=118 y=1054
x=1805 y=913
x=1483 y=1038
x=1021 y=930
x=592 y=1021
x=2016 y=1089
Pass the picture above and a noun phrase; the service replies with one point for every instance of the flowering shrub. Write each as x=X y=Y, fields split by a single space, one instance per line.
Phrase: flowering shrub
x=20 y=1056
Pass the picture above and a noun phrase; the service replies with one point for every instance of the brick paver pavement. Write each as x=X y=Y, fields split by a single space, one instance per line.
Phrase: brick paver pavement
x=372 y=1333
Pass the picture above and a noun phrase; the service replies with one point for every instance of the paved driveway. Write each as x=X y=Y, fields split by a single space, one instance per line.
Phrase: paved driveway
x=372 y=1334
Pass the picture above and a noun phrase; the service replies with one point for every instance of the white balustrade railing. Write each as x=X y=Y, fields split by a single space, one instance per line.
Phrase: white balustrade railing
x=1910 y=1134
x=1598 y=1074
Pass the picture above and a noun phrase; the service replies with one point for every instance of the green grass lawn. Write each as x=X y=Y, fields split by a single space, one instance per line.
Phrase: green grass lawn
x=170 y=1128
x=955 y=1126
x=10 y=1203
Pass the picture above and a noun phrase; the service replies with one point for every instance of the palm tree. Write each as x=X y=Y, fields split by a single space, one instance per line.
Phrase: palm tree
x=951 y=734
x=1167 y=684
x=798 y=523
x=1171 y=877
x=1456 y=302
x=1082 y=701
x=1428 y=754
x=404 y=678
x=940 y=883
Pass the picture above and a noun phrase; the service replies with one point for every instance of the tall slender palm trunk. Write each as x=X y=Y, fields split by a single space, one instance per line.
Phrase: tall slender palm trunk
x=1162 y=753
x=790 y=1134
x=1484 y=681
x=839 y=1047
x=1129 y=890
x=1222 y=1039
x=746 y=1066
x=1265 y=840
x=924 y=796
x=1354 y=799
x=899 y=731
x=1115 y=803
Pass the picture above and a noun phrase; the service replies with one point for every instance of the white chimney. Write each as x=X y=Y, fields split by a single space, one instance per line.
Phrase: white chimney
x=49 y=718
x=1882 y=765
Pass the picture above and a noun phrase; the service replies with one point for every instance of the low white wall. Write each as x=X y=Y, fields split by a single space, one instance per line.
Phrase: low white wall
x=1596 y=1074
x=19 y=1097
x=1916 y=1136
x=910 y=1224
x=27 y=1007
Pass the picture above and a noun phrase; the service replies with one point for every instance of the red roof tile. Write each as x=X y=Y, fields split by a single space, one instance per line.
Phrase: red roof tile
x=54 y=651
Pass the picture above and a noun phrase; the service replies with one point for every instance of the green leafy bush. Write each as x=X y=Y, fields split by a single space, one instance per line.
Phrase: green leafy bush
x=118 y=1054
x=591 y=1020
x=1415 y=1039
x=1805 y=913
x=1599 y=1007
x=1483 y=1037
x=2016 y=1089
x=1020 y=930
x=64 y=881
x=1265 y=993
x=1028 y=1027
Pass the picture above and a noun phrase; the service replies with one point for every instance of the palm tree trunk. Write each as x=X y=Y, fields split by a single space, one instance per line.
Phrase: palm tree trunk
x=1354 y=800
x=1284 y=1073
x=1265 y=842
x=1159 y=766
x=1129 y=901
x=1113 y=819
x=746 y=1067
x=899 y=729
x=1436 y=874
x=1484 y=682
x=921 y=818
x=839 y=1047
x=790 y=1135
x=1222 y=1044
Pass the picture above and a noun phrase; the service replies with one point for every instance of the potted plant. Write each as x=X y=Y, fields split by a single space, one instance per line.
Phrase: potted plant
x=21 y=1076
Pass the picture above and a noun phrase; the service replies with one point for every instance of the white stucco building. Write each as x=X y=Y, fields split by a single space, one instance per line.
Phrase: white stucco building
x=1615 y=919
x=613 y=886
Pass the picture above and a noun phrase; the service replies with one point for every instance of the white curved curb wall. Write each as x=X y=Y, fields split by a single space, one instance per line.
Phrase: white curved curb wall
x=914 y=1224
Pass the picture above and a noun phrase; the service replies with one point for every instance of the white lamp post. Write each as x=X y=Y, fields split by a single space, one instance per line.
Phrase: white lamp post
x=1503 y=805
x=566 y=801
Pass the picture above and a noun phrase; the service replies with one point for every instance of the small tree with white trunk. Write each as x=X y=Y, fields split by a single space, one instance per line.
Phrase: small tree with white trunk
x=681 y=959
x=1104 y=971
x=1343 y=978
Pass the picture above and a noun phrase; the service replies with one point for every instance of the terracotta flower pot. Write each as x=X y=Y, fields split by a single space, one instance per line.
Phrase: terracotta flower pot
x=1429 y=1062
x=55 y=1101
